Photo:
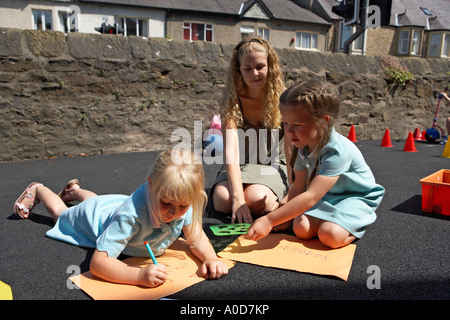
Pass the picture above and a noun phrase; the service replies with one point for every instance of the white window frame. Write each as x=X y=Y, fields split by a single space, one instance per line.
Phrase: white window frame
x=264 y=33
x=139 y=23
x=64 y=22
x=415 y=42
x=43 y=19
x=207 y=27
x=301 y=35
x=409 y=42
x=246 y=31
x=446 y=46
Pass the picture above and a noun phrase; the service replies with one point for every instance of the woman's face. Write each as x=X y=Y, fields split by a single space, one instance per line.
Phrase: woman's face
x=300 y=127
x=254 y=69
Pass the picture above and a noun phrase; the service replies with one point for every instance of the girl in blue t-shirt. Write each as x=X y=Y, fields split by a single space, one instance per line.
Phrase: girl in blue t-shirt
x=170 y=202
x=334 y=194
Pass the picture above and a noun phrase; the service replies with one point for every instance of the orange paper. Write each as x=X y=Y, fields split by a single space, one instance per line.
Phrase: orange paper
x=183 y=271
x=289 y=252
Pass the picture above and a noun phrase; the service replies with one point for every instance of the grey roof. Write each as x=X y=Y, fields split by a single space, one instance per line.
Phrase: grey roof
x=211 y=6
x=409 y=13
x=287 y=10
x=325 y=6
x=277 y=9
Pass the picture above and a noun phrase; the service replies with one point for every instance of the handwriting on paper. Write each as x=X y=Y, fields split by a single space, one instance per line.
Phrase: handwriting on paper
x=284 y=251
x=306 y=252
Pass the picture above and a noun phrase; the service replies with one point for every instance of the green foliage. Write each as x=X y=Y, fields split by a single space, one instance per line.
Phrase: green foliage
x=398 y=76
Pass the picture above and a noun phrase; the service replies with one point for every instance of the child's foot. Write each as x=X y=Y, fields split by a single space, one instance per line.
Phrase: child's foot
x=66 y=194
x=26 y=201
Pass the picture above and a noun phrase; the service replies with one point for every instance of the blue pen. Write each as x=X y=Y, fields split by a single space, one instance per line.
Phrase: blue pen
x=151 y=252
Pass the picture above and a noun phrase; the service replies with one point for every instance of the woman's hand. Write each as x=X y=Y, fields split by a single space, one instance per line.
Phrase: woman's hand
x=214 y=269
x=241 y=213
x=152 y=275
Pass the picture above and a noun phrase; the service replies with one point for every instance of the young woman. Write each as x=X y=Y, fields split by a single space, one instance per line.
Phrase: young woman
x=251 y=123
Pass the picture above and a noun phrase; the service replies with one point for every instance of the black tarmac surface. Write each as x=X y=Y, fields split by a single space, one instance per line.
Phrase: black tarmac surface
x=410 y=247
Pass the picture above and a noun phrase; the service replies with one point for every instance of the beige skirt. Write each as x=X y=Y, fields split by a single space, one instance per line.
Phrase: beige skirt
x=273 y=177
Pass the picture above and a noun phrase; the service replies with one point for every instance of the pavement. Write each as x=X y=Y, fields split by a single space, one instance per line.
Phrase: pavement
x=410 y=248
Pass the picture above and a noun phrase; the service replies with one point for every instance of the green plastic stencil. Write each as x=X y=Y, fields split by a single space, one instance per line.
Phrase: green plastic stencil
x=229 y=229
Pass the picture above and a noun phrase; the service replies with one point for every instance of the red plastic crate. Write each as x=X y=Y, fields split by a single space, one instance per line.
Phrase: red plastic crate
x=436 y=192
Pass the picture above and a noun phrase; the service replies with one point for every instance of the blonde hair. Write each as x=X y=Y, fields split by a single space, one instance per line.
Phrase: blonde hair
x=230 y=109
x=320 y=99
x=180 y=181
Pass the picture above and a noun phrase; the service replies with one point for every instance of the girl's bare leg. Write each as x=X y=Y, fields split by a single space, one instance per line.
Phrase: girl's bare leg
x=306 y=227
x=329 y=233
x=51 y=201
x=73 y=192
x=37 y=192
x=333 y=235
x=80 y=195
x=54 y=204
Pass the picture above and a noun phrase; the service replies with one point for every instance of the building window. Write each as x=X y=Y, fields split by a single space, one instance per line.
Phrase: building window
x=42 y=19
x=403 y=42
x=439 y=45
x=426 y=11
x=415 y=50
x=197 y=31
x=446 y=51
x=247 y=32
x=133 y=26
x=64 y=22
x=306 y=40
x=435 y=40
x=263 y=33
x=409 y=42
x=345 y=33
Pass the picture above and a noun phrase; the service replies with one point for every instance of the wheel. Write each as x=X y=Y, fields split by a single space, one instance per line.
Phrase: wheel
x=432 y=135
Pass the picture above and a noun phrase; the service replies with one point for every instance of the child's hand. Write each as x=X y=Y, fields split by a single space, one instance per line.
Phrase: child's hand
x=214 y=269
x=152 y=275
x=259 y=229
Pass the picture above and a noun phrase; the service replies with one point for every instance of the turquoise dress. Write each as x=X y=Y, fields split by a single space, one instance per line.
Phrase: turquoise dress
x=118 y=224
x=352 y=201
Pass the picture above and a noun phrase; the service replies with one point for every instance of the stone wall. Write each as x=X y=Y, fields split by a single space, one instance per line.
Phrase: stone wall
x=89 y=94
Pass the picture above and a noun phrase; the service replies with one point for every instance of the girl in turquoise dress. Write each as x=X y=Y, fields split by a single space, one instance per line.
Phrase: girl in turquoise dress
x=334 y=194
x=170 y=202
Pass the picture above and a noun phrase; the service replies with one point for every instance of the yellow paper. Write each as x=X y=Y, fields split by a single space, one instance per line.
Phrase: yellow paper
x=5 y=291
x=289 y=252
x=183 y=271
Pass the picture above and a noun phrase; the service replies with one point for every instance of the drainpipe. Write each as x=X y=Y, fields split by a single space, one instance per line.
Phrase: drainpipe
x=364 y=9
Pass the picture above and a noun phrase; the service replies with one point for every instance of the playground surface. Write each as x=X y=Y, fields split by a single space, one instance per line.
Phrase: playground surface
x=409 y=247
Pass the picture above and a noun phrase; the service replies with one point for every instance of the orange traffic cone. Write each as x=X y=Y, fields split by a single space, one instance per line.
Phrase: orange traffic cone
x=352 y=135
x=424 y=132
x=446 y=153
x=409 y=145
x=386 y=142
x=417 y=136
